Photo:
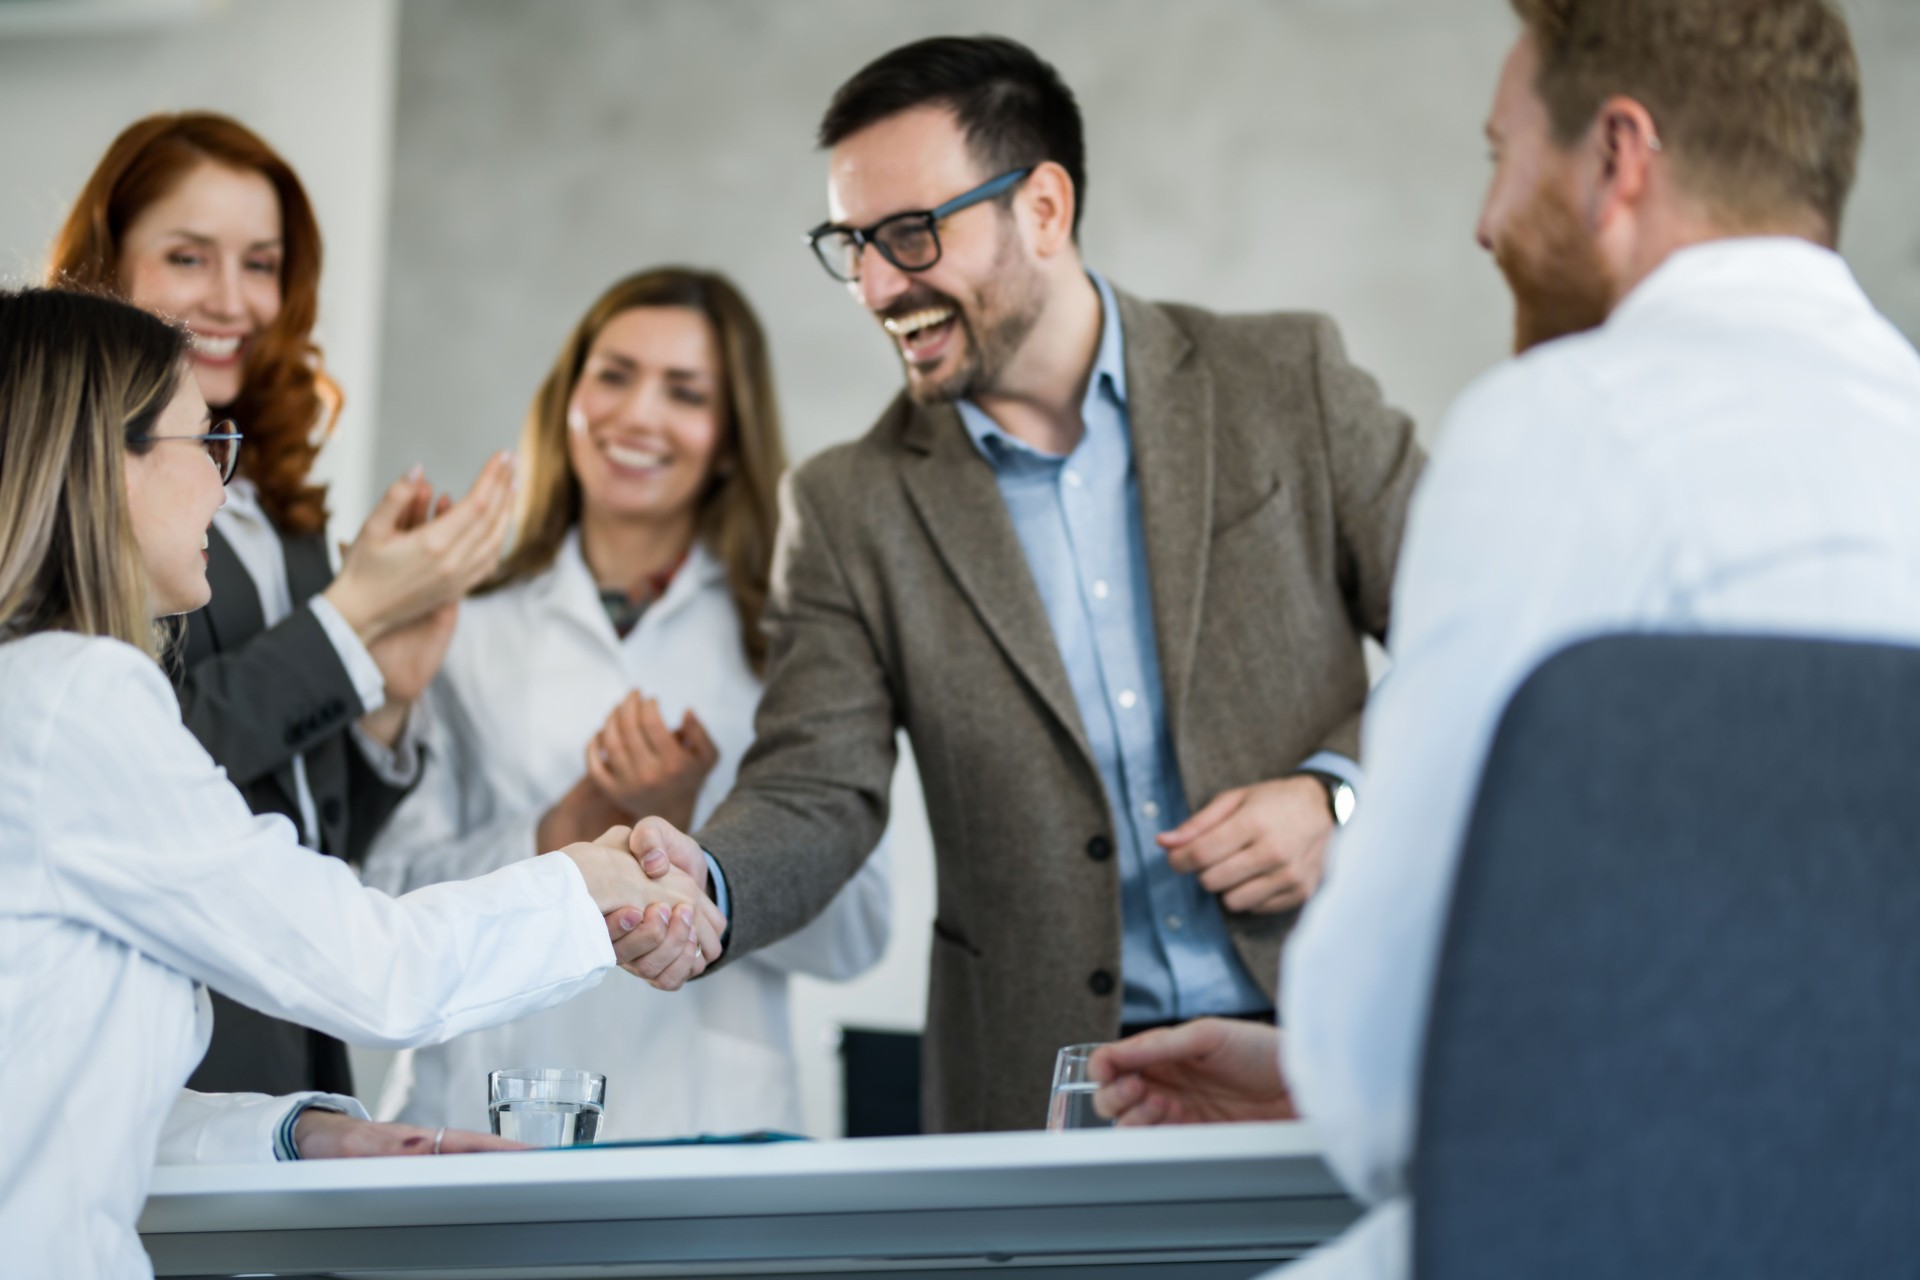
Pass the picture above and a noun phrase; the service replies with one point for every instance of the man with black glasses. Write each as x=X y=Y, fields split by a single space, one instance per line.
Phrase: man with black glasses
x=1108 y=562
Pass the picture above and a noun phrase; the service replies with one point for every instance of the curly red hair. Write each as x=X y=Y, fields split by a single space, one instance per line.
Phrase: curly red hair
x=287 y=404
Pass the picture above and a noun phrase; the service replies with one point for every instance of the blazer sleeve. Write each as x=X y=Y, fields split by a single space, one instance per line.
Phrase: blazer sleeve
x=178 y=870
x=810 y=803
x=852 y=934
x=1373 y=463
x=278 y=695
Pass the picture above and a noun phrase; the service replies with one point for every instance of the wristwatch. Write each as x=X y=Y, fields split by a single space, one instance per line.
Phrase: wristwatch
x=1340 y=797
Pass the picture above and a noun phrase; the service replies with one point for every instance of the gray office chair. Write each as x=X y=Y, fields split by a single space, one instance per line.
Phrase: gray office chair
x=1676 y=1023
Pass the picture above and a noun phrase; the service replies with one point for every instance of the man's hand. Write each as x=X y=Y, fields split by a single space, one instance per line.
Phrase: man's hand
x=1261 y=848
x=645 y=767
x=328 y=1135
x=663 y=848
x=664 y=928
x=1211 y=1071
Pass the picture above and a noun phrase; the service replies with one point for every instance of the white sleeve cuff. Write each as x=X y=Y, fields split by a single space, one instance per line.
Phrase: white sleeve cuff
x=399 y=765
x=238 y=1128
x=361 y=668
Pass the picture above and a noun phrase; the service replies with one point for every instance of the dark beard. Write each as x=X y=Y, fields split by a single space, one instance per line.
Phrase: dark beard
x=1008 y=307
x=1553 y=267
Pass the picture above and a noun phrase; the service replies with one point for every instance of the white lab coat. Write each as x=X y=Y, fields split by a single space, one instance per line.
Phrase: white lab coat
x=1734 y=450
x=133 y=872
x=532 y=672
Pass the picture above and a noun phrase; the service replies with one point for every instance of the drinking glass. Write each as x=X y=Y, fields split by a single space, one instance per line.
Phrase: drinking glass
x=546 y=1106
x=1071 y=1106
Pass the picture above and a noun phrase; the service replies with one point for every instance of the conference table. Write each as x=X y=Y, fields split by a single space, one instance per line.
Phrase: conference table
x=1146 y=1204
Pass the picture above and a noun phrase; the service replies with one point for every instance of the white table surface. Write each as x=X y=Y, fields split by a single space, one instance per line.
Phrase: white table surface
x=1216 y=1201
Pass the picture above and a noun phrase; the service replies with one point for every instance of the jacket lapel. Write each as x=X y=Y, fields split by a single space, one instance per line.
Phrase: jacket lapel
x=233 y=615
x=308 y=570
x=1170 y=413
x=954 y=490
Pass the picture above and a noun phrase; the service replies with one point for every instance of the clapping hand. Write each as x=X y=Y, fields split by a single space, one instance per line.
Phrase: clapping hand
x=647 y=769
x=1209 y=1071
x=398 y=569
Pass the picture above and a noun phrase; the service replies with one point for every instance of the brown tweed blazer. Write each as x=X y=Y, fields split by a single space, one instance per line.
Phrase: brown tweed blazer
x=1273 y=485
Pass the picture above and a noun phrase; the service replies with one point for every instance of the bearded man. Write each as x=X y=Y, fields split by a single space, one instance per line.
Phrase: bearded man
x=1710 y=428
x=1109 y=563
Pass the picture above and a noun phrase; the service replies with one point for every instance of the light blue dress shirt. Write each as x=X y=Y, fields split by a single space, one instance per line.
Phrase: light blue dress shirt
x=1078 y=519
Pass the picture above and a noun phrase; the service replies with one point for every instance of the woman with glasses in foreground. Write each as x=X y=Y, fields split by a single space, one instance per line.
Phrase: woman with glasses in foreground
x=133 y=869
x=296 y=681
x=610 y=673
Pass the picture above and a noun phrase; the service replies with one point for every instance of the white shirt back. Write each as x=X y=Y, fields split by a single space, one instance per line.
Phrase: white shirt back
x=1735 y=450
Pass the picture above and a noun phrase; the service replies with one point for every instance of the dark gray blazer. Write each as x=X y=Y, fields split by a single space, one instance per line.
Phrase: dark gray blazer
x=1273 y=486
x=256 y=697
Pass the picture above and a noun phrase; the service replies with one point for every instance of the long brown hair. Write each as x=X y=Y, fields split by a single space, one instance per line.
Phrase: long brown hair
x=287 y=404
x=738 y=512
x=82 y=381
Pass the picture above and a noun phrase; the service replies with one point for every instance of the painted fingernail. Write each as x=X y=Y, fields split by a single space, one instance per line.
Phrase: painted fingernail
x=629 y=922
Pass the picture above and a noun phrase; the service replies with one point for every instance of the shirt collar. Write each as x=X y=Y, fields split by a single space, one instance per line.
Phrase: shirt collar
x=1109 y=379
x=1738 y=261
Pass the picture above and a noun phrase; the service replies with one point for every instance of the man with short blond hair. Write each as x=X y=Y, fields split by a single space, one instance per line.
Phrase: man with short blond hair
x=1709 y=427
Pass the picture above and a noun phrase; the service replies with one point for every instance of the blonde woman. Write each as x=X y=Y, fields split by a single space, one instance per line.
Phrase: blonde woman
x=612 y=673
x=134 y=872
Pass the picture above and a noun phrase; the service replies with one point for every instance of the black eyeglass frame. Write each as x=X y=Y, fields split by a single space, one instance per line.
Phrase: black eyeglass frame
x=222 y=432
x=930 y=219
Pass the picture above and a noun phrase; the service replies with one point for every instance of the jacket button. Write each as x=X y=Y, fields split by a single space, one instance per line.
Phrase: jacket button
x=330 y=810
x=1099 y=848
x=1101 y=983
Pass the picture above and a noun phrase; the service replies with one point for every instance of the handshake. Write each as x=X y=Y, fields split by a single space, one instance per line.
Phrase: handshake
x=650 y=882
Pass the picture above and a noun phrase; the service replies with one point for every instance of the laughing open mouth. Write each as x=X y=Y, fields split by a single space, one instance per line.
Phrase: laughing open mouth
x=923 y=334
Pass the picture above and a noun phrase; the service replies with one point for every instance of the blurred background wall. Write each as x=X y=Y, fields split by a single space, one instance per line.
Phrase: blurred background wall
x=482 y=168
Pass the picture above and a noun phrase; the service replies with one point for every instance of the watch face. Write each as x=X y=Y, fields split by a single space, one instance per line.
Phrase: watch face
x=1343 y=803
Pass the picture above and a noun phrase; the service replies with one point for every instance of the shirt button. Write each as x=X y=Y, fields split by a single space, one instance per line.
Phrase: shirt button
x=1175 y=923
x=1073 y=479
x=1100 y=589
x=1126 y=699
x=1099 y=848
x=1150 y=809
x=1101 y=983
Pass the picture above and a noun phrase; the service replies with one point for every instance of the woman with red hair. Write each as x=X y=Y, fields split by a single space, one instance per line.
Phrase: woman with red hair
x=297 y=681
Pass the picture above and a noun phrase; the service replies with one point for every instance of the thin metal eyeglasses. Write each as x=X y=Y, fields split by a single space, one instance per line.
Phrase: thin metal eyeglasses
x=910 y=241
x=222 y=445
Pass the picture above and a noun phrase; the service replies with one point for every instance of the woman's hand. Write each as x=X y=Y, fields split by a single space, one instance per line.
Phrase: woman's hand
x=647 y=769
x=401 y=568
x=328 y=1135
x=664 y=927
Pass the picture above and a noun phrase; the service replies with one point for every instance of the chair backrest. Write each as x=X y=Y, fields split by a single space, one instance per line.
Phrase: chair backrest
x=1676 y=1021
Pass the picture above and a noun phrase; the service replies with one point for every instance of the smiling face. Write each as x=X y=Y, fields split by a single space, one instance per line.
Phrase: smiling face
x=1531 y=220
x=647 y=417
x=173 y=489
x=208 y=254
x=958 y=324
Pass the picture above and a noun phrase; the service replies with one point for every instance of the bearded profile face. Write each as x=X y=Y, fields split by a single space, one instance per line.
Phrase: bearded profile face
x=1553 y=266
x=1532 y=222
